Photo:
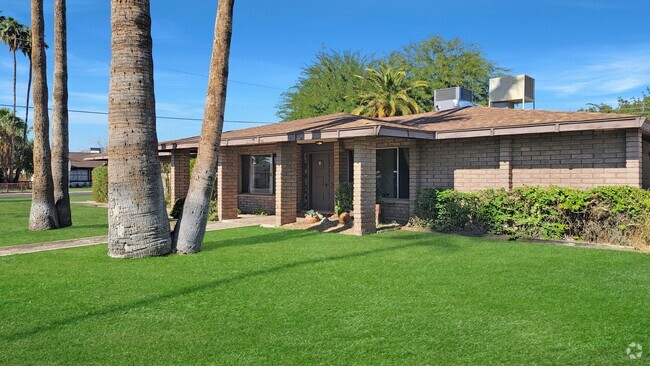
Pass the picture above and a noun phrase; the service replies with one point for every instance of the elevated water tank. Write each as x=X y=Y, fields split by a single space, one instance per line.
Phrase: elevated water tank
x=507 y=91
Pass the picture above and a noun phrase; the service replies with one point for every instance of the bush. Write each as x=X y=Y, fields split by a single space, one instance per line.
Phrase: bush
x=100 y=184
x=617 y=215
x=343 y=198
x=177 y=210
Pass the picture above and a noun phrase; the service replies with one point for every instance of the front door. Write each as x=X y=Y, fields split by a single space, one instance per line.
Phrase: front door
x=322 y=188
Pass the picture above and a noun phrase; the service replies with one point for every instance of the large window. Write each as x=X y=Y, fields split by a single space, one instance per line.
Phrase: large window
x=393 y=173
x=257 y=174
x=79 y=175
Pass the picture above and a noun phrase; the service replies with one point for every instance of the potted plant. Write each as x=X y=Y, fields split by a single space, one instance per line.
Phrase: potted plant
x=312 y=217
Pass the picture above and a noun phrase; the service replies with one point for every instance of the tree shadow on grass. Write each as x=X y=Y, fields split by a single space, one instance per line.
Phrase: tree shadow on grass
x=420 y=241
x=272 y=237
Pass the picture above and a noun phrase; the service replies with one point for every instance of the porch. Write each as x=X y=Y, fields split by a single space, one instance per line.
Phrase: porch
x=285 y=179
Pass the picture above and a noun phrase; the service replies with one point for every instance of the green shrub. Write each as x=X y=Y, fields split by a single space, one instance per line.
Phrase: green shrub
x=343 y=198
x=602 y=214
x=213 y=215
x=100 y=184
x=177 y=210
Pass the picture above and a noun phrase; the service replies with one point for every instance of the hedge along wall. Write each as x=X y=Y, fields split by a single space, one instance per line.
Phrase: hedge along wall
x=617 y=215
x=100 y=184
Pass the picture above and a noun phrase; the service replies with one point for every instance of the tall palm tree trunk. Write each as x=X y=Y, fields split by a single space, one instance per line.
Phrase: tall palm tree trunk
x=190 y=229
x=138 y=225
x=12 y=141
x=60 y=117
x=29 y=86
x=43 y=213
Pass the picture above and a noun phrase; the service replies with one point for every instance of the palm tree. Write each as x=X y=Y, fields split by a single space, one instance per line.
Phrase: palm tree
x=9 y=136
x=60 y=173
x=386 y=93
x=43 y=212
x=190 y=229
x=26 y=49
x=10 y=34
x=137 y=217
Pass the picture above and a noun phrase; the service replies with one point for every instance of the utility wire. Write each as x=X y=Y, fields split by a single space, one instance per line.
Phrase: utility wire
x=157 y=117
x=229 y=80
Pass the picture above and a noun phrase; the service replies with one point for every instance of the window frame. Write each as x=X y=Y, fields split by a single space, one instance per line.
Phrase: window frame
x=397 y=177
x=250 y=189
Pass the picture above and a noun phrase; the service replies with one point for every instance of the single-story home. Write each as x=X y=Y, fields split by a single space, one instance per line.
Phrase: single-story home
x=288 y=167
x=81 y=169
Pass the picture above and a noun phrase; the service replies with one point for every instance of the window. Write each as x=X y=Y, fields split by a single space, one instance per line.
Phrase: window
x=257 y=174
x=79 y=175
x=393 y=173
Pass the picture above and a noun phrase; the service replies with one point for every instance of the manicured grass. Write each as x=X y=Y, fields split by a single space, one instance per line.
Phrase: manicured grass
x=270 y=296
x=14 y=221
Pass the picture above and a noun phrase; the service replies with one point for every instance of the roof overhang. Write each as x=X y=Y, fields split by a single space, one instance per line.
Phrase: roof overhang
x=399 y=132
x=543 y=128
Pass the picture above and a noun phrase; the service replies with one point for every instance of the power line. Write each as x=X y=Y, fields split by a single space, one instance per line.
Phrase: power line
x=157 y=117
x=229 y=80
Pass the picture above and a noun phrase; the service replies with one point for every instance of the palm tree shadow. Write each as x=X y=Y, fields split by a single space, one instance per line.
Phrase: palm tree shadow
x=275 y=237
x=420 y=241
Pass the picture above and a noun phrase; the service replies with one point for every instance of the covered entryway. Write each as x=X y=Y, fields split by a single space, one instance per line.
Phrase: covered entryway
x=321 y=182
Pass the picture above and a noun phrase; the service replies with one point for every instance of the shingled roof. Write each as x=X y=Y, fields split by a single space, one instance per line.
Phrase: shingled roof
x=78 y=160
x=455 y=123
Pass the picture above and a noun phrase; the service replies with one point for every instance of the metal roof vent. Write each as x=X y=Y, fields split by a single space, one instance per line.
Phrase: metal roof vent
x=507 y=91
x=451 y=98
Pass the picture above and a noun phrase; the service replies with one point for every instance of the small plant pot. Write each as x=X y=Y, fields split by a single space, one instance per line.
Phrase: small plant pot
x=311 y=219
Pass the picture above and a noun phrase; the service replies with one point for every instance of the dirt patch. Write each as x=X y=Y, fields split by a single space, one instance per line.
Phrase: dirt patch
x=332 y=225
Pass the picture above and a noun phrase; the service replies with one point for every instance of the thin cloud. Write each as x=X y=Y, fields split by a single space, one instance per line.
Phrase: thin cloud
x=598 y=73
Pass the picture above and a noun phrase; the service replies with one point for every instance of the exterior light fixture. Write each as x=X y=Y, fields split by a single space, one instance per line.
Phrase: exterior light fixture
x=319 y=142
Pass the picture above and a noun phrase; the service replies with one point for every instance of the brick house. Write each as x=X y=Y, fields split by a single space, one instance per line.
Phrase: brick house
x=288 y=167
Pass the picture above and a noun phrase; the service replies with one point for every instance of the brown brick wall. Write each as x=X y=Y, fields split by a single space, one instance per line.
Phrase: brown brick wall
x=573 y=159
x=466 y=165
x=646 y=164
x=286 y=183
x=256 y=203
x=227 y=177
x=365 y=185
x=180 y=174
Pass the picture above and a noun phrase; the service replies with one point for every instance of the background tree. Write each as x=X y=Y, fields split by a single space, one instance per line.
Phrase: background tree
x=190 y=229
x=387 y=92
x=60 y=137
x=43 y=213
x=444 y=64
x=11 y=35
x=635 y=105
x=10 y=127
x=324 y=86
x=137 y=217
x=26 y=49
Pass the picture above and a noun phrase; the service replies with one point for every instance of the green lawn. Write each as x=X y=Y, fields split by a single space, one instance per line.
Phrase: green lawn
x=271 y=296
x=14 y=220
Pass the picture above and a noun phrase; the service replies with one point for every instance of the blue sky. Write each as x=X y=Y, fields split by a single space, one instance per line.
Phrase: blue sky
x=578 y=51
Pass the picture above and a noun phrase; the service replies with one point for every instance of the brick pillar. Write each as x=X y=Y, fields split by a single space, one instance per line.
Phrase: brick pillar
x=300 y=176
x=179 y=176
x=227 y=182
x=633 y=156
x=337 y=164
x=365 y=185
x=286 y=183
x=505 y=163
x=414 y=172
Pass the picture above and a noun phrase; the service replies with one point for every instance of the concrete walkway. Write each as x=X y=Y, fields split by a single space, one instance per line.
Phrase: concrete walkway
x=241 y=221
x=29 y=194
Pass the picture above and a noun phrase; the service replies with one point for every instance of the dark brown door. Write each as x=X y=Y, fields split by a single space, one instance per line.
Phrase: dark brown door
x=322 y=190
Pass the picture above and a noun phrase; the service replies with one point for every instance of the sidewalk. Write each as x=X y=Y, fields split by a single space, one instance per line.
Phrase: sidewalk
x=241 y=221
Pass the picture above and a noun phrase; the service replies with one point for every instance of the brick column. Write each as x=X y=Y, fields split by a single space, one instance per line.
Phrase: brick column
x=505 y=163
x=227 y=182
x=414 y=173
x=179 y=176
x=286 y=183
x=336 y=171
x=365 y=185
x=633 y=156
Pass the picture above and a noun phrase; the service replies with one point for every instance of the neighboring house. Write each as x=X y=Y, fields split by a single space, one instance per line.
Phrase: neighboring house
x=81 y=169
x=287 y=167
